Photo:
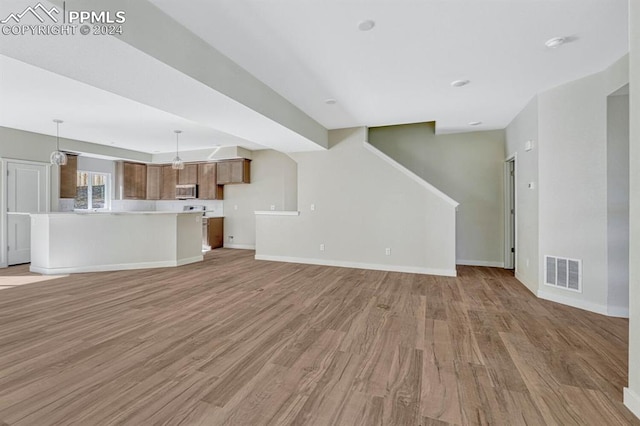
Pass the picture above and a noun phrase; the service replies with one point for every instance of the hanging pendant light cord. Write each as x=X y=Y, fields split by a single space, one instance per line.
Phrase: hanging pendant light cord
x=58 y=135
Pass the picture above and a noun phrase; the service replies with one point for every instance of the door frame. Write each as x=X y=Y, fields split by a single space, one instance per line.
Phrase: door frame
x=508 y=231
x=4 y=193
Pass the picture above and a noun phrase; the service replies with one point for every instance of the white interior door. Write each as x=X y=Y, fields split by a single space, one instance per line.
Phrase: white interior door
x=27 y=186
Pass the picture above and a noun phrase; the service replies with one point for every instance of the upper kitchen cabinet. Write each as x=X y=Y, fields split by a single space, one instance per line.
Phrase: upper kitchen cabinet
x=69 y=177
x=169 y=182
x=188 y=175
x=154 y=182
x=134 y=181
x=208 y=188
x=234 y=171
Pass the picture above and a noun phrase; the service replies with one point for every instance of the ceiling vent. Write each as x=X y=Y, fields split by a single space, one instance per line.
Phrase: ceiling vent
x=563 y=273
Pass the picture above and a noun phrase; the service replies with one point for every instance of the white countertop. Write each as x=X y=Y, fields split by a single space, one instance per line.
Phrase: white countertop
x=111 y=212
x=276 y=213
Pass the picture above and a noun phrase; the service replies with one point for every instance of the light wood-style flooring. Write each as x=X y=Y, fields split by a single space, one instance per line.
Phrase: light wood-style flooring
x=237 y=341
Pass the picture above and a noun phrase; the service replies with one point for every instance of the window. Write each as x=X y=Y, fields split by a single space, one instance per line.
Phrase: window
x=92 y=191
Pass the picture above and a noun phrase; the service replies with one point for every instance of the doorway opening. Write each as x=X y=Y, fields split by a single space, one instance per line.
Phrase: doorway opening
x=510 y=213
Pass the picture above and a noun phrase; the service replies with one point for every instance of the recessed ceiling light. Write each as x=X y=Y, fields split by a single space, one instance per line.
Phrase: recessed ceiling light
x=156 y=151
x=460 y=83
x=330 y=101
x=552 y=43
x=475 y=123
x=366 y=25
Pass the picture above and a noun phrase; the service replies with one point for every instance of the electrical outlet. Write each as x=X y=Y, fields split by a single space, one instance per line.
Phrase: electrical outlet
x=313 y=207
x=273 y=207
x=387 y=251
x=230 y=238
x=321 y=247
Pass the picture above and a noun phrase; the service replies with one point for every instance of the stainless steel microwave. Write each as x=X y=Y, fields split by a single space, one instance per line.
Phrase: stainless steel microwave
x=185 y=192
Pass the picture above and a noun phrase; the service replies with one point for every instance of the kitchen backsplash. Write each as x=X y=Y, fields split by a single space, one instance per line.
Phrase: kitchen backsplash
x=212 y=206
x=65 y=204
x=133 y=205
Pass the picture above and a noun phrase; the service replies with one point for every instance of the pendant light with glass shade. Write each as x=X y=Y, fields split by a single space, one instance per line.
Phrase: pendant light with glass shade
x=177 y=163
x=58 y=157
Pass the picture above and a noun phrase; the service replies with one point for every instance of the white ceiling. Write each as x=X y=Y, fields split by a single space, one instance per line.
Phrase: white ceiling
x=308 y=51
x=33 y=97
x=400 y=72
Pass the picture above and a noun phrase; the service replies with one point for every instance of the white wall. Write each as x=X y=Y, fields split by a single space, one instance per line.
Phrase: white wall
x=524 y=128
x=362 y=205
x=469 y=168
x=632 y=393
x=273 y=183
x=573 y=181
x=22 y=145
x=618 y=202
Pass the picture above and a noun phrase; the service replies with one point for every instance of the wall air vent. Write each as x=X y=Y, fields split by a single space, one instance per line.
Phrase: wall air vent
x=563 y=273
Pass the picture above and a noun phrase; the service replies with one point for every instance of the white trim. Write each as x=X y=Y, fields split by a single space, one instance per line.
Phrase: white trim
x=410 y=174
x=570 y=301
x=276 y=213
x=632 y=401
x=359 y=265
x=240 y=246
x=618 y=311
x=116 y=267
x=507 y=212
x=480 y=263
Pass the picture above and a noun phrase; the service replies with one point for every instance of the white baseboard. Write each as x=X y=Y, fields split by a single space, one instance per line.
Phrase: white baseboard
x=480 y=263
x=240 y=246
x=188 y=260
x=359 y=265
x=632 y=401
x=570 y=301
x=115 y=267
x=618 y=311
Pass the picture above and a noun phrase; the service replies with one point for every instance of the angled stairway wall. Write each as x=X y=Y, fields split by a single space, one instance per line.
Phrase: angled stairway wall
x=468 y=167
x=357 y=204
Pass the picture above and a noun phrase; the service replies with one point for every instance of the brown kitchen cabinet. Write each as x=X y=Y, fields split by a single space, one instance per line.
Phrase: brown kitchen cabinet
x=154 y=182
x=208 y=188
x=234 y=171
x=188 y=175
x=216 y=232
x=134 y=181
x=69 y=177
x=169 y=182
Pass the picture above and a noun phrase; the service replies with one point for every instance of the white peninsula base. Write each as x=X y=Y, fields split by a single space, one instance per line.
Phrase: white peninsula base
x=63 y=243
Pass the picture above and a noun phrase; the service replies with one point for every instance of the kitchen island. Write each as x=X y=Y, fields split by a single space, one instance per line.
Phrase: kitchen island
x=63 y=243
